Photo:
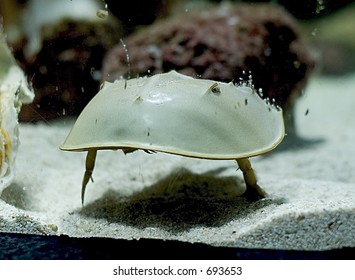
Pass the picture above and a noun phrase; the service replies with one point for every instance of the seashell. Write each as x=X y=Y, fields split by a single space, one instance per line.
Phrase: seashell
x=14 y=91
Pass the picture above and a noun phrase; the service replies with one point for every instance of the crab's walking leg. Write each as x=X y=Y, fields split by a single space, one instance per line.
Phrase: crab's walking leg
x=89 y=168
x=253 y=191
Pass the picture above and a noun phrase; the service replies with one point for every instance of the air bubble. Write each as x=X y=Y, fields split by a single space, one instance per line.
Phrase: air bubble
x=127 y=57
x=260 y=92
x=320 y=6
x=314 y=31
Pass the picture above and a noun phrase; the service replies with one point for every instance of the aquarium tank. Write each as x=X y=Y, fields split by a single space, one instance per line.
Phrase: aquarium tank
x=225 y=128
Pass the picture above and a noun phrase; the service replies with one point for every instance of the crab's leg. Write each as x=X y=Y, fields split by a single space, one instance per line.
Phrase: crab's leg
x=253 y=190
x=89 y=168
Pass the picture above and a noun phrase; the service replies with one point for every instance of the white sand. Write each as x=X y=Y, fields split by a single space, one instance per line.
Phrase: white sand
x=311 y=203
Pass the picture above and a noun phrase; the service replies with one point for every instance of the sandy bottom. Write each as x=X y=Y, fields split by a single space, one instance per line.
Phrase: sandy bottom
x=311 y=187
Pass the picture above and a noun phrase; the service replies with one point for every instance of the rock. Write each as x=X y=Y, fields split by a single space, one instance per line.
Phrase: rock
x=223 y=43
x=62 y=50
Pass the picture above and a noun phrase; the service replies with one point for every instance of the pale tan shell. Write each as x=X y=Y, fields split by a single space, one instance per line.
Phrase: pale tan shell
x=177 y=114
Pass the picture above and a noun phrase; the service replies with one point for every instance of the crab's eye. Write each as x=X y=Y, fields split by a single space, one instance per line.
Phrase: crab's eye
x=215 y=89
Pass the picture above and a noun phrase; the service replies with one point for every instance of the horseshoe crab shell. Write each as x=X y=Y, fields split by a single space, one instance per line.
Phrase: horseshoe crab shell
x=14 y=91
x=178 y=114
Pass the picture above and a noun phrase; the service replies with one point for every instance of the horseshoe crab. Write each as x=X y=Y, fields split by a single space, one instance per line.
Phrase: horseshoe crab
x=178 y=114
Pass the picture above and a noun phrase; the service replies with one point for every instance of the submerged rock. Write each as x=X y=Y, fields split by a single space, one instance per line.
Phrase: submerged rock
x=61 y=49
x=228 y=42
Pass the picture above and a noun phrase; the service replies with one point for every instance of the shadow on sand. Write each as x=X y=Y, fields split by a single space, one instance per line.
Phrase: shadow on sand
x=178 y=202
